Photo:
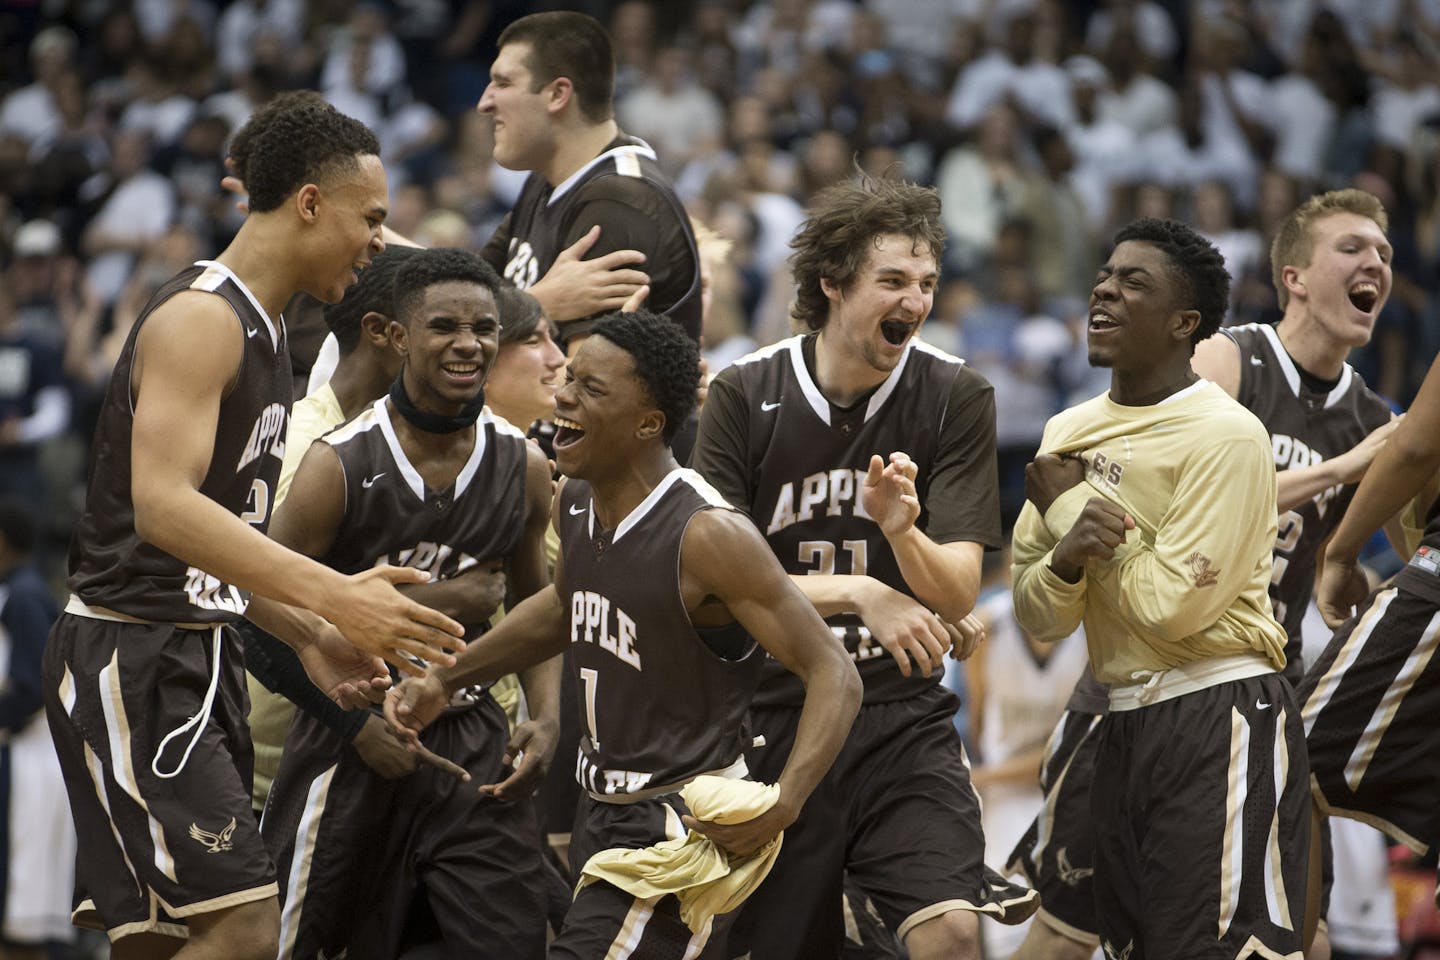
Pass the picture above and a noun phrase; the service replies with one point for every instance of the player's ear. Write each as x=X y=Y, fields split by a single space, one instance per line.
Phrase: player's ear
x=399 y=338
x=562 y=91
x=307 y=202
x=831 y=289
x=1186 y=322
x=1293 y=282
x=375 y=327
x=652 y=425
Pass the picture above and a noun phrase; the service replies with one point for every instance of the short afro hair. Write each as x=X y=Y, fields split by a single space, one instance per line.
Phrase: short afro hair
x=375 y=292
x=1195 y=262
x=520 y=313
x=666 y=361
x=295 y=139
x=439 y=265
x=845 y=221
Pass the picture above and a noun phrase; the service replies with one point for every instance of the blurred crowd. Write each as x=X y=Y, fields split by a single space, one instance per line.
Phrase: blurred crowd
x=1044 y=125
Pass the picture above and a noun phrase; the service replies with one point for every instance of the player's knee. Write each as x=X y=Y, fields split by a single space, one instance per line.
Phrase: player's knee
x=1044 y=943
x=954 y=935
x=250 y=931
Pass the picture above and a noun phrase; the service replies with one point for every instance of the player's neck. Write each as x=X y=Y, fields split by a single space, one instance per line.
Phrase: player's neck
x=1144 y=388
x=1305 y=339
x=618 y=494
x=577 y=146
x=258 y=256
x=843 y=377
x=358 y=381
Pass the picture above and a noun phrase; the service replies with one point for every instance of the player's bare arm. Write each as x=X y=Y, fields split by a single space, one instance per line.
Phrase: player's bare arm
x=1217 y=359
x=944 y=576
x=533 y=743
x=187 y=357
x=574 y=287
x=724 y=561
x=1294 y=487
x=1407 y=463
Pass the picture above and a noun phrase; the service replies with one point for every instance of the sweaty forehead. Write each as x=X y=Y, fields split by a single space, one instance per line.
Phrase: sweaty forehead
x=892 y=252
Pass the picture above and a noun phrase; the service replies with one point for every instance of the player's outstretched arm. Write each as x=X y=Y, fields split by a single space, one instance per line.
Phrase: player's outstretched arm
x=724 y=557
x=1295 y=486
x=1406 y=464
x=187 y=356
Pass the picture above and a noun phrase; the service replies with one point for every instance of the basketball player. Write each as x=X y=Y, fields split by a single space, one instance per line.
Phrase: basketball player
x=367 y=367
x=551 y=97
x=1198 y=806
x=428 y=478
x=144 y=684
x=888 y=549
x=1325 y=425
x=1369 y=699
x=659 y=589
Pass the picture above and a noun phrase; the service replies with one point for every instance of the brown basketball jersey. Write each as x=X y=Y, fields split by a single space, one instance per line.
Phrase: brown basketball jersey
x=658 y=706
x=805 y=467
x=110 y=566
x=391 y=517
x=1305 y=428
x=1422 y=574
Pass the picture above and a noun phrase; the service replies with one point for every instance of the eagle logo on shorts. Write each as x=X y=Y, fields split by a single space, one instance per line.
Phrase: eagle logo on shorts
x=215 y=842
x=1204 y=573
x=1070 y=876
x=1115 y=954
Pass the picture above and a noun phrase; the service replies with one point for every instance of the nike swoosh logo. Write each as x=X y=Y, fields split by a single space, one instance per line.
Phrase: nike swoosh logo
x=576 y=509
x=766 y=406
x=370 y=481
x=1261 y=706
x=251 y=331
x=1256 y=361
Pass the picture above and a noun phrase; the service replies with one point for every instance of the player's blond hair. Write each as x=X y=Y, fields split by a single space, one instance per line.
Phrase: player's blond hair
x=1294 y=242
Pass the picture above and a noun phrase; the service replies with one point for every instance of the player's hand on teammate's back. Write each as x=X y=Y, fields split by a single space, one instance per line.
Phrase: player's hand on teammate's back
x=1049 y=475
x=347 y=675
x=574 y=288
x=889 y=493
x=380 y=620
x=533 y=745
x=746 y=838
x=413 y=705
x=904 y=626
x=1099 y=529
x=965 y=636
x=1343 y=587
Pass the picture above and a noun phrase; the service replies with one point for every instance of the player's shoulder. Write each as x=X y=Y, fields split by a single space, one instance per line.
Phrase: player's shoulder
x=754 y=365
x=357 y=426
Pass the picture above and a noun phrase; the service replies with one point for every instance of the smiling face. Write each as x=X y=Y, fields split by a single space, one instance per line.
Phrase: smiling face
x=449 y=341
x=349 y=214
x=1136 y=325
x=525 y=378
x=603 y=413
x=1348 y=280
x=874 y=316
x=519 y=112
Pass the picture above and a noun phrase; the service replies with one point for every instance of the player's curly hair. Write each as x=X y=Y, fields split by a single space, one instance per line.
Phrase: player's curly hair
x=375 y=292
x=564 y=43
x=439 y=265
x=520 y=313
x=1196 y=263
x=666 y=360
x=1294 y=242
x=295 y=139
x=845 y=221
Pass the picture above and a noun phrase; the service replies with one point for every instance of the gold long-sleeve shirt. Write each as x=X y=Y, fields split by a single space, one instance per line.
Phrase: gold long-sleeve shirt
x=1190 y=581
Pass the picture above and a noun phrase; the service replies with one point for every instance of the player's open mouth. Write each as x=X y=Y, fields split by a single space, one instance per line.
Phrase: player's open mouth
x=1364 y=295
x=567 y=432
x=461 y=371
x=896 y=332
x=1101 y=321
